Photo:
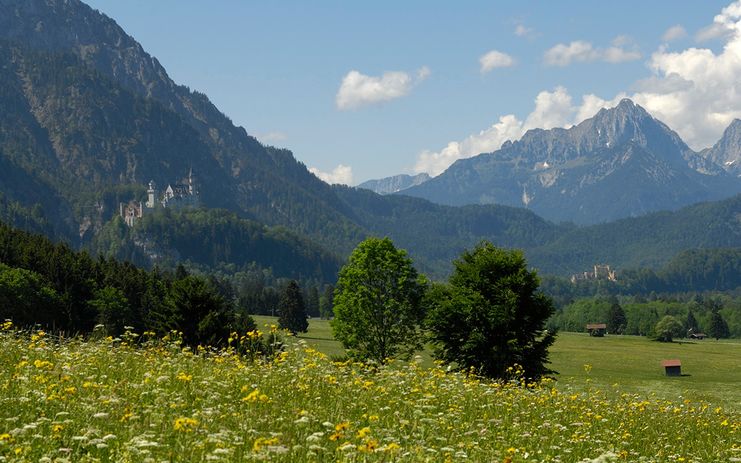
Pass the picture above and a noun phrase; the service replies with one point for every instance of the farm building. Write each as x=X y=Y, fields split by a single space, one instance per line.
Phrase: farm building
x=596 y=329
x=672 y=367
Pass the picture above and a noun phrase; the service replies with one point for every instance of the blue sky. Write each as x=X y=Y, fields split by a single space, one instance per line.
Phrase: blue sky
x=420 y=96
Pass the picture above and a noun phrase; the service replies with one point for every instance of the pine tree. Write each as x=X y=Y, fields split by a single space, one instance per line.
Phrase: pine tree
x=326 y=303
x=718 y=326
x=616 y=319
x=292 y=310
x=312 y=302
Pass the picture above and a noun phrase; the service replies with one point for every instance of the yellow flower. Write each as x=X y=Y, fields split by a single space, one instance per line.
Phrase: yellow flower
x=342 y=426
x=185 y=424
x=55 y=428
x=252 y=396
x=5 y=437
x=184 y=377
x=364 y=432
x=42 y=364
x=261 y=442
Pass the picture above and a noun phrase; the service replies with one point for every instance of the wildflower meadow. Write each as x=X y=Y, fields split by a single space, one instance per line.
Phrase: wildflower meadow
x=143 y=399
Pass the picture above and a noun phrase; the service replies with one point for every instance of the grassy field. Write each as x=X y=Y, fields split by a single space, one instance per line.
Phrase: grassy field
x=712 y=369
x=143 y=399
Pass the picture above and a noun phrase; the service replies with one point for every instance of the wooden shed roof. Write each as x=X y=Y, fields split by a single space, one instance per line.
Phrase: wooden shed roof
x=671 y=363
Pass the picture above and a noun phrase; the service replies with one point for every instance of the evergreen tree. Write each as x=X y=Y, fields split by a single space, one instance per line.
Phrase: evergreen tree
x=718 y=326
x=491 y=316
x=616 y=319
x=199 y=311
x=292 y=310
x=691 y=323
x=113 y=309
x=312 y=302
x=326 y=303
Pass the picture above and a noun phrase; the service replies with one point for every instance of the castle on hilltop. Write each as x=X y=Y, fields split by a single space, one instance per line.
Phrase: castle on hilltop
x=175 y=196
x=601 y=272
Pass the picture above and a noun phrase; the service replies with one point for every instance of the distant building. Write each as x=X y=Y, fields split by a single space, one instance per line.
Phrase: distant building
x=672 y=367
x=597 y=329
x=176 y=195
x=131 y=212
x=601 y=272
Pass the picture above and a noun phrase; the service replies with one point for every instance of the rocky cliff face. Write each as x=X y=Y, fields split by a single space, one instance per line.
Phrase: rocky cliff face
x=116 y=95
x=727 y=152
x=394 y=184
x=620 y=163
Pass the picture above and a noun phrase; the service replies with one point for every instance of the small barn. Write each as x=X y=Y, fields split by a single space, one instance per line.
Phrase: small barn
x=672 y=367
x=597 y=329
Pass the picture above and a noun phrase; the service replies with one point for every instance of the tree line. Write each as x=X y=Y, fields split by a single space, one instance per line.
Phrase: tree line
x=717 y=316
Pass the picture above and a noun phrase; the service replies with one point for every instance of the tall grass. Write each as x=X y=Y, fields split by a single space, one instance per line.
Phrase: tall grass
x=111 y=400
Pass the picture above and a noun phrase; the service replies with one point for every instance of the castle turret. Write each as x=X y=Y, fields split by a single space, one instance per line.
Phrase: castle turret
x=151 y=195
x=192 y=183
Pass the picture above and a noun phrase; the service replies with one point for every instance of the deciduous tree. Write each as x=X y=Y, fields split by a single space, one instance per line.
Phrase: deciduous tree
x=377 y=303
x=490 y=316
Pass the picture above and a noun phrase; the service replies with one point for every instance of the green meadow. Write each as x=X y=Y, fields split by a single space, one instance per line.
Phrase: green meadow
x=146 y=399
x=711 y=369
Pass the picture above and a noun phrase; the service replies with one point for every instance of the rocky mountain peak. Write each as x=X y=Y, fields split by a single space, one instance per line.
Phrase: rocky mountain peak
x=726 y=153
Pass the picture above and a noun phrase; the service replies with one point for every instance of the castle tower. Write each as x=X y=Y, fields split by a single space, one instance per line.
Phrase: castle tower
x=151 y=195
x=192 y=183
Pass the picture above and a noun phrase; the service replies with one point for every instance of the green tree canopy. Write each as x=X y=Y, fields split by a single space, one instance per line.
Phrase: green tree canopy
x=718 y=326
x=491 y=316
x=113 y=309
x=616 y=319
x=668 y=328
x=292 y=310
x=378 y=302
x=199 y=311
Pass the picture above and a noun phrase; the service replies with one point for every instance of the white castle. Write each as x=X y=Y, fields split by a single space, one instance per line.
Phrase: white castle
x=174 y=196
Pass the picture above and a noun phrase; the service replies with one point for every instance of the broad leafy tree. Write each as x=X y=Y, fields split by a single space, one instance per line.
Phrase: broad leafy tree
x=292 y=310
x=378 y=303
x=668 y=328
x=490 y=316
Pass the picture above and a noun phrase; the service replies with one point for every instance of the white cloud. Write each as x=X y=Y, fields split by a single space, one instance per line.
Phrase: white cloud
x=271 y=137
x=563 y=55
x=359 y=89
x=696 y=92
x=495 y=59
x=552 y=109
x=675 y=32
x=581 y=51
x=491 y=139
x=525 y=32
x=340 y=174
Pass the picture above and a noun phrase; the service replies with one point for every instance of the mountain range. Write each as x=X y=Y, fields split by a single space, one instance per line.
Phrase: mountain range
x=620 y=163
x=89 y=117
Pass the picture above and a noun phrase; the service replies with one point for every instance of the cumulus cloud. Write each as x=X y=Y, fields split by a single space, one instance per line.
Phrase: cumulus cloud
x=581 y=51
x=340 y=174
x=495 y=59
x=696 y=92
x=358 y=89
x=675 y=32
x=552 y=109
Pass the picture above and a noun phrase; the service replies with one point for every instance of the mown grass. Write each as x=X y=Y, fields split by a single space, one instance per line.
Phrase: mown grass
x=149 y=400
x=712 y=368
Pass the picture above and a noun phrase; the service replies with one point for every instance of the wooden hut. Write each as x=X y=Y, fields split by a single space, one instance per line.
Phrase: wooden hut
x=672 y=367
x=596 y=329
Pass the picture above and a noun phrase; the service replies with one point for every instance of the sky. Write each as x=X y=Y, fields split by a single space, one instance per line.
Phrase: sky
x=363 y=90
